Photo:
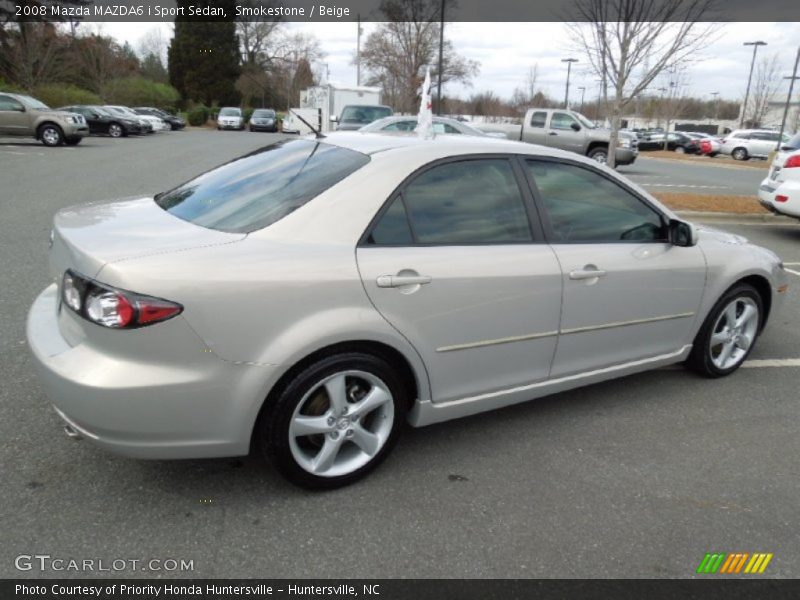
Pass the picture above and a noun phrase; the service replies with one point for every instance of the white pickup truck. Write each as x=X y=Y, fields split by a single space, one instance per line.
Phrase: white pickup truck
x=568 y=130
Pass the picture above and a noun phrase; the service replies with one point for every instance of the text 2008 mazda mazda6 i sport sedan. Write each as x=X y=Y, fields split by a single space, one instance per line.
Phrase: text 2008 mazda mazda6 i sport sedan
x=310 y=297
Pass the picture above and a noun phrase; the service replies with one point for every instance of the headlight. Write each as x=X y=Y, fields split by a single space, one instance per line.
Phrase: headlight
x=623 y=143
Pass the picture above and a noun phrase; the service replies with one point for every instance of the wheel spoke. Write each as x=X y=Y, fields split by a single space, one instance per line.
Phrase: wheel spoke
x=305 y=425
x=327 y=455
x=744 y=341
x=719 y=338
x=747 y=314
x=366 y=440
x=337 y=394
x=376 y=397
x=730 y=314
x=725 y=354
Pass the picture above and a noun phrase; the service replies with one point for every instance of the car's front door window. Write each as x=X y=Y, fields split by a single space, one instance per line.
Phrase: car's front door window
x=584 y=206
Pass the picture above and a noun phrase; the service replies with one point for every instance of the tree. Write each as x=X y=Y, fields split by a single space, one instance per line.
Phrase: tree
x=97 y=58
x=203 y=57
x=396 y=54
x=766 y=80
x=32 y=54
x=151 y=67
x=260 y=39
x=629 y=43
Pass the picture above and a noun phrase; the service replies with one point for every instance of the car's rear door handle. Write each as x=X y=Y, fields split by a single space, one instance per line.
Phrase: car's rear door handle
x=393 y=281
x=588 y=272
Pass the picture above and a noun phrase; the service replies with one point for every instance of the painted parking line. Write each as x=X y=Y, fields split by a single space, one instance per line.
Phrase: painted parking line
x=694 y=187
x=771 y=362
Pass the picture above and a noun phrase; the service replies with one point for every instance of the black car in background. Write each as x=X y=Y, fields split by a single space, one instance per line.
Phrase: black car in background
x=174 y=122
x=676 y=142
x=264 y=119
x=102 y=121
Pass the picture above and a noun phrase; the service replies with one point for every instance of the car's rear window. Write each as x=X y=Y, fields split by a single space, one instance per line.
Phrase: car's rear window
x=365 y=114
x=258 y=189
x=794 y=142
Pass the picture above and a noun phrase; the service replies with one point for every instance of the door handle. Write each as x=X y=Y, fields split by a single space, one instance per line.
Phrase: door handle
x=393 y=281
x=551 y=133
x=588 y=272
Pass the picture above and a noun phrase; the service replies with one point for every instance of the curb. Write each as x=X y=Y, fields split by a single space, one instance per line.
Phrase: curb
x=767 y=219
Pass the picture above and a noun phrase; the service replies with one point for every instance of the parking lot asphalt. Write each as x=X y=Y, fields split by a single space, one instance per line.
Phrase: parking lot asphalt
x=702 y=176
x=638 y=477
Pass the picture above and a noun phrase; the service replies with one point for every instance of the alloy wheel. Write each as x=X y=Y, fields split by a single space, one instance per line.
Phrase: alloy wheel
x=115 y=130
x=341 y=424
x=51 y=136
x=734 y=333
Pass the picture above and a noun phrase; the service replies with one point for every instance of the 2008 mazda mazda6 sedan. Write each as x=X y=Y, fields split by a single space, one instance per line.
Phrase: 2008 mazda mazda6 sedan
x=309 y=298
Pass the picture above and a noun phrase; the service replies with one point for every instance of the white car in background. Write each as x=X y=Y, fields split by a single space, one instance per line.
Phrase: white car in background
x=230 y=117
x=780 y=191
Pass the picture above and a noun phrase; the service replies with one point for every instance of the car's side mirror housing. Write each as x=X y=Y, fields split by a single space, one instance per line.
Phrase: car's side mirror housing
x=95 y=116
x=682 y=233
x=575 y=127
x=334 y=118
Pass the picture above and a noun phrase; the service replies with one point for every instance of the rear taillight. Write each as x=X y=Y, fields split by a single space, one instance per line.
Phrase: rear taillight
x=781 y=198
x=792 y=162
x=110 y=307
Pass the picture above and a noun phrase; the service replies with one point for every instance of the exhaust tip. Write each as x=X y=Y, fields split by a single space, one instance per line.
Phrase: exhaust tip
x=71 y=433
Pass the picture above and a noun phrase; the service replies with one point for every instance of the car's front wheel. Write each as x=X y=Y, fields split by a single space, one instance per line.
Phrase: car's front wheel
x=51 y=135
x=728 y=333
x=115 y=130
x=335 y=421
x=680 y=150
x=739 y=154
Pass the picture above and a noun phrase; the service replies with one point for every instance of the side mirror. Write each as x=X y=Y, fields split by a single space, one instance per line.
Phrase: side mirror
x=334 y=119
x=95 y=116
x=575 y=127
x=682 y=233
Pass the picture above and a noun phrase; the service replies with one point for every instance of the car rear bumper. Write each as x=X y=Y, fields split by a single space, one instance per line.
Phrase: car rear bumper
x=780 y=197
x=176 y=403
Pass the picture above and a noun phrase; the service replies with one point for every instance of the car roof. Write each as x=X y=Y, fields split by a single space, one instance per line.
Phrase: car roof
x=441 y=145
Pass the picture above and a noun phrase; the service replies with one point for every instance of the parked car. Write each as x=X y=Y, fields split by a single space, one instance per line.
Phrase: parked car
x=101 y=121
x=230 y=117
x=356 y=116
x=744 y=144
x=709 y=145
x=780 y=190
x=174 y=122
x=263 y=119
x=571 y=131
x=441 y=125
x=22 y=115
x=676 y=142
x=309 y=297
x=145 y=124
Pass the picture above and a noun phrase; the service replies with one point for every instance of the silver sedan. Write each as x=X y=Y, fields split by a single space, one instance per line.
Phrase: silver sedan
x=308 y=299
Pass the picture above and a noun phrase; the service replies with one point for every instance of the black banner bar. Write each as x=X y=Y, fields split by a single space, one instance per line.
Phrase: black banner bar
x=387 y=589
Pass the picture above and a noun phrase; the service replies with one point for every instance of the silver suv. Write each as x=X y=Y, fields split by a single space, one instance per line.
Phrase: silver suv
x=744 y=144
x=26 y=116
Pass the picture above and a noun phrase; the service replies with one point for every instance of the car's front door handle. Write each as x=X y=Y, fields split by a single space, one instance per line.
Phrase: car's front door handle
x=588 y=272
x=393 y=281
x=551 y=133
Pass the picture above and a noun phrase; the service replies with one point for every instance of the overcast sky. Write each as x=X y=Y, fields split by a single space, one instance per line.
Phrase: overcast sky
x=505 y=51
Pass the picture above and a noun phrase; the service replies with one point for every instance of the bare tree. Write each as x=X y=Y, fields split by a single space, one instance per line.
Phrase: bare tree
x=629 y=43
x=260 y=39
x=765 y=83
x=396 y=54
x=153 y=42
x=33 y=53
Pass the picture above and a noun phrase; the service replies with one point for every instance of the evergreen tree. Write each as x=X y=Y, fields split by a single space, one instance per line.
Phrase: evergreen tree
x=203 y=56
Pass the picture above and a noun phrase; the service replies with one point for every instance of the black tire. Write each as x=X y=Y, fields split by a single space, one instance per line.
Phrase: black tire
x=272 y=430
x=74 y=141
x=700 y=358
x=599 y=154
x=740 y=154
x=51 y=135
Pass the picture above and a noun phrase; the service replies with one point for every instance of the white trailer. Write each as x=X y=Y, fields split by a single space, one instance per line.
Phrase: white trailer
x=331 y=98
x=291 y=124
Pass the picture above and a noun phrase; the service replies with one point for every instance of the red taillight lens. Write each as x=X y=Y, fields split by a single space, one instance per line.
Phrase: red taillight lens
x=792 y=162
x=110 y=307
x=781 y=198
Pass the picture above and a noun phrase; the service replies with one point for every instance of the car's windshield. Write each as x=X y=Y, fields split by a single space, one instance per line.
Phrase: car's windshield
x=33 y=103
x=267 y=114
x=258 y=189
x=584 y=121
x=364 y=114
x=794 y=143
x=230 y=112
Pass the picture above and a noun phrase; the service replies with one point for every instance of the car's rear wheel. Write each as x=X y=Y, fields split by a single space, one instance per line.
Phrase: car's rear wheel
x=739 y=154
x=729 y=332
x=335 y=421
x=680 y=150
x=115 y=130
x=51 y=135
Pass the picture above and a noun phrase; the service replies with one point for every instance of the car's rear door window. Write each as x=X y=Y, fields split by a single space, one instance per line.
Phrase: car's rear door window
x=260 y=188
x=456 y=203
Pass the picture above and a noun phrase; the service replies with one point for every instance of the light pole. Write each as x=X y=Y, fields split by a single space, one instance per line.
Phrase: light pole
x=755 y=46
x=791 y=79
x=583 y=93
x=569 y=62
x=716 y=104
